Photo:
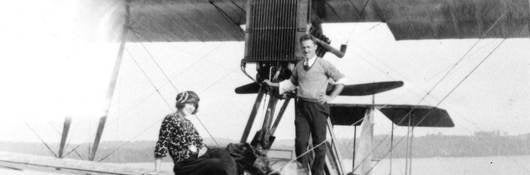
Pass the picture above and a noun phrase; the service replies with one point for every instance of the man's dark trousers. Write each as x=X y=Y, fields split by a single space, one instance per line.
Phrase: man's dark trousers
x=311 y=118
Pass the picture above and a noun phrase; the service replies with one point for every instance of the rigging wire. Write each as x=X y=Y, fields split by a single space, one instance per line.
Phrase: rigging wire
x=167 y=77
x=455 y=87
x=148 y=128
x=41 y=140
x=300 y=156
x=158 y=121
x=200 y=121
x=159 y=93
x=130 y=140
x=157 y=64
x=203 y=90
x=308 y=151
x=428 y=93
x=423 y=117
x=144 y=99
x=226 y=16
x=148 y=78
x=473 y=70
x=67 y=143
x=444 y=77
x=364 y=8
x=386 y=73
x=354 y=7
x=184 y=70
x=463 y=56
x=239 y=7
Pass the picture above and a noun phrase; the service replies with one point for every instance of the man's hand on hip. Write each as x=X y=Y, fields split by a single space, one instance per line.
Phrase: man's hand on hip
x=325 y=99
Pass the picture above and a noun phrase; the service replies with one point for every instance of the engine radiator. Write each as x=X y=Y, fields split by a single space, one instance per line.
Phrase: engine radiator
x=273 y=28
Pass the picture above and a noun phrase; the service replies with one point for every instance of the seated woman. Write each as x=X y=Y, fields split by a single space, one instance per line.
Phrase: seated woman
x=180 y=139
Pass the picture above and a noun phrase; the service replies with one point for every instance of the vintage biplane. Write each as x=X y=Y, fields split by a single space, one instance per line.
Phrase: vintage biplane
x=270 y=29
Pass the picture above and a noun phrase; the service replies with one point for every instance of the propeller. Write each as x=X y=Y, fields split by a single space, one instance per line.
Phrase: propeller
x=250 y=88
x=367 y=88
x=349 y=90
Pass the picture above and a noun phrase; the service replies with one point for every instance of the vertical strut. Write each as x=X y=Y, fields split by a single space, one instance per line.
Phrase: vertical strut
x=112 y=84
x=269 y=113
x=391 y=147
x=280 y=115
x=252 y=116
x=354 y=149
x=64 y=136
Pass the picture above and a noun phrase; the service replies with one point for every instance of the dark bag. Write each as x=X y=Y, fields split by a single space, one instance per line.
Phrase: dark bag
x=249 y=159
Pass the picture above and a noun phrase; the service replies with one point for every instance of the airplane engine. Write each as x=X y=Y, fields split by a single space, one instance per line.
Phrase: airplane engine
x=271 y=35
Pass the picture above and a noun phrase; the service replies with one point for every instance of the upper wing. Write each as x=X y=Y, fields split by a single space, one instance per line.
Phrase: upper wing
x=434 y=19
x=220 y=20
x=186 y=20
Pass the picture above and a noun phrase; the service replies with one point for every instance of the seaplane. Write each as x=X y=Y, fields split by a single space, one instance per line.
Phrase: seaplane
x=270 y=30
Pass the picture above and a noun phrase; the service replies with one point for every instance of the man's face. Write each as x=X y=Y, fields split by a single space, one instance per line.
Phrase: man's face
x=309 y=48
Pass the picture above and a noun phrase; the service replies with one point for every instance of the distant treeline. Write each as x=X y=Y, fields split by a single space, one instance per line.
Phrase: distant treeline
x=438 y=145
x=480 y=144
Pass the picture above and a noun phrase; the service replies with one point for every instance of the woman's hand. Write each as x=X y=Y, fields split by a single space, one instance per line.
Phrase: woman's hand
x=202 y=151
x=192 y=148
x=158 y=163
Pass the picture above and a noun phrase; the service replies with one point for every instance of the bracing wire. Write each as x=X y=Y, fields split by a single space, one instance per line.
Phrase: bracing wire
x=130 y=140
x=157 y=64
x=148 y=78
x=149 y=127
x=41 y=140
x=169 y=80
x=462 y=57
x=428 y=93
x=300 y=156
x=473 y=70
x=183 y=70
x=455 y=87
x=166 y=76
x=156 y=89
x=308 y=151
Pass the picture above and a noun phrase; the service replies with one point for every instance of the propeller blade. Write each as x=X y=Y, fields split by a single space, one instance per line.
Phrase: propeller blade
x=369 y=88
x=251 y=88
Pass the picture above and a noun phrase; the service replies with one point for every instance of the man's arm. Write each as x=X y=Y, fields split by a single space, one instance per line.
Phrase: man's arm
x=336 y=91
x=338 y=77
x=284 y=86
x=271 y=84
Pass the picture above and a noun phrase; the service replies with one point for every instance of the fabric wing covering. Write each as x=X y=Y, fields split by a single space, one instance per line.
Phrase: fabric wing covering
x=221 y=20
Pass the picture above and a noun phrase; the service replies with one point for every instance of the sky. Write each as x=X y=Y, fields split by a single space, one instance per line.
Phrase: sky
x=54 y=67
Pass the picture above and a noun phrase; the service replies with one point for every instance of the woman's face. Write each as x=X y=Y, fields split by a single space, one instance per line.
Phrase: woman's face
x=188 y=108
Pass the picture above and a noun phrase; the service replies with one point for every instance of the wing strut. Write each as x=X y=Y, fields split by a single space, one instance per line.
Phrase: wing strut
x=66 y=128
x=112 y=84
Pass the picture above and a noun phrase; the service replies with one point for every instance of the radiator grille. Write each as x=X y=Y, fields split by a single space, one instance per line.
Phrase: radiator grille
x=271 y=34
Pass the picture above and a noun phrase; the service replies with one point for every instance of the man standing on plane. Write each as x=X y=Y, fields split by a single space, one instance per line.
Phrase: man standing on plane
x=310 y=77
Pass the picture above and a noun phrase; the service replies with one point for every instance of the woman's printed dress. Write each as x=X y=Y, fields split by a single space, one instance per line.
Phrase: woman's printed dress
x=176 y=135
